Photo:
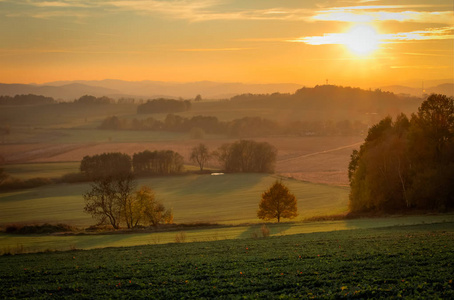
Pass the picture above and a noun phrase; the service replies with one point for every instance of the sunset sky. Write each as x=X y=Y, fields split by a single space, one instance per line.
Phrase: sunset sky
x=355 y=43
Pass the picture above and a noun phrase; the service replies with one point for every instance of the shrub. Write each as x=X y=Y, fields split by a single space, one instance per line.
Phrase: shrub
x=17 y=183
x=180 y=237
x=74 y=178
x=265 y=231
x=38 y=229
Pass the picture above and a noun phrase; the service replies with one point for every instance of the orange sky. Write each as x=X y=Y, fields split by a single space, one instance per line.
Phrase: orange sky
x=356 y=43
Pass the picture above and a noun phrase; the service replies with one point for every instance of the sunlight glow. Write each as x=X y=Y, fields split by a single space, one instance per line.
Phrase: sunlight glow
x=361 y=40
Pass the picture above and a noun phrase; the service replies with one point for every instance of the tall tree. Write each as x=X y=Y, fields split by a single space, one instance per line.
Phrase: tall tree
x=200 y=155
x=108 y=197
x=277 y=202
x=247 y=156
x=406 y=164
x=106 y=165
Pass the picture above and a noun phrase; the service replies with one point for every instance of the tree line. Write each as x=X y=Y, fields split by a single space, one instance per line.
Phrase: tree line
x=29 y=99
x=334 y=98
x=243 y=127
x=239 y=156
x=406 y=163
x=162 y=105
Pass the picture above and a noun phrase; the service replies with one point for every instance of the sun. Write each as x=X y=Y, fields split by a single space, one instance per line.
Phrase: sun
x=362 y=40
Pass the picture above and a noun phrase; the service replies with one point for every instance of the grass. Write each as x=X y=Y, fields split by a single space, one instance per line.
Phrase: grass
x=47 y=170
x=404 y=261
x=227 y=199
x=40 y=243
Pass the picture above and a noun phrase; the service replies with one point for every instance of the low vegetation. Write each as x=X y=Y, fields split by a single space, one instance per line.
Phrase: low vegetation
x=414 y=262
x=38 y=229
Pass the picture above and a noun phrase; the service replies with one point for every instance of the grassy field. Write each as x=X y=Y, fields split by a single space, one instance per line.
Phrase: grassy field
x=227 y=199
x=403 y=261
x=48 y=170
x=13 y=243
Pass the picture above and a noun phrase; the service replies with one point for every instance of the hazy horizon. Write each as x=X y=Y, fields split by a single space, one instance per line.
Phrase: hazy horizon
x=349 y=43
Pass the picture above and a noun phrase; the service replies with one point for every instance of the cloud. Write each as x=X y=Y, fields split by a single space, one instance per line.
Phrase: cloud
x=420 y=67
x=400 y=13
x=212 y=49
x=191 y=10
x=206 y=10
x=444 y=33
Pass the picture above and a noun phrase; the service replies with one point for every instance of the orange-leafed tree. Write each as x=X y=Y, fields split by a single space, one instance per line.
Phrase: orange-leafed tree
x=277 y=202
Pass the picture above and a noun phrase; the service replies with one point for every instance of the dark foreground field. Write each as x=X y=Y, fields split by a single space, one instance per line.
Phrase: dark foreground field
x=405 y=261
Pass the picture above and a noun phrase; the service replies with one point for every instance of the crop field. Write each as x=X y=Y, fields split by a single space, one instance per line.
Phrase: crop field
x=403 y=261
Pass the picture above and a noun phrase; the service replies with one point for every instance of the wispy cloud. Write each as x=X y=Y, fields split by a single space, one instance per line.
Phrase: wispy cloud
x=213 y=49
x=400 y=13
x=191 y=10
x=445 y=33
x=420 y=67
x=207 y=10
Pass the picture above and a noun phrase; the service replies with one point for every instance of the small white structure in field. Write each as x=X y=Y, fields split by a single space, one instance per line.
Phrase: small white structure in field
x=217 y=174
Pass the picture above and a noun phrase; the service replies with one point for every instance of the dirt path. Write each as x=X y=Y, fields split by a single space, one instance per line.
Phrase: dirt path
x=320 y=152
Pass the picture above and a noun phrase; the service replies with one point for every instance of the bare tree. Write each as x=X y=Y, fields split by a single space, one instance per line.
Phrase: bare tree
x=200 y=155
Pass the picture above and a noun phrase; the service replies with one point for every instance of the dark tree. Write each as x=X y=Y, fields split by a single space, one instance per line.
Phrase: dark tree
x=200 y=155
x=107 y=200
x=247 y=156
x=162 y=162
x=406 y=164
x=163 y=106
x=106 y=165
x=277 y=202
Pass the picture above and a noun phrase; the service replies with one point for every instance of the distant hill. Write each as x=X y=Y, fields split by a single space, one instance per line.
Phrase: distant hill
x=67 y=92
x=445 y=89
x=70 y=90
x=207 y=89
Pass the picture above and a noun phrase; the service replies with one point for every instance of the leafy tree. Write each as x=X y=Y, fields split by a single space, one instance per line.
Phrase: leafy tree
x=200 y=155
x=247 y=156
x=143 y=208
x=405 y=164
x=150 y=210
x=108 y=197
x=162 y=162
x=163 y=105
x=277 y=202
x=106 y=165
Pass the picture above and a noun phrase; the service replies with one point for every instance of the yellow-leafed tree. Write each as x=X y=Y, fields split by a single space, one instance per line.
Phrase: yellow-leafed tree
x=277 y=202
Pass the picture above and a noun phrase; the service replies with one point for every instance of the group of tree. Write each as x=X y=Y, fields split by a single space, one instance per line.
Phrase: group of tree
x=162 y=105
x=88 y=99
x=113 y=198
x=247 y=156
x=243 y=127
x=331 y=98
x=406 y=163
x=162 y=162
x=29 y=99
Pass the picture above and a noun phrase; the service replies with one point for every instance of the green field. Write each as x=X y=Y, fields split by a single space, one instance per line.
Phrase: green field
x=403 y=261
x=226 y=199
x=47 y=170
